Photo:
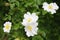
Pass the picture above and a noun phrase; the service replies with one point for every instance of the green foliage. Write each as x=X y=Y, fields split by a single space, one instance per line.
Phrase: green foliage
x=49 y=24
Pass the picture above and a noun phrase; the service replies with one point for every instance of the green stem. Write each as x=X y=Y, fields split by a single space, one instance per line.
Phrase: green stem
x=5 y=36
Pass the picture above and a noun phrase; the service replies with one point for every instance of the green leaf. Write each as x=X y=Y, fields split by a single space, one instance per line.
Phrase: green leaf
x=9 y=17
x=42 y=33
x=44 y=12
x=37 y=38
x=12 y=5
x=28 y=4
x=12 y=0
x=16 y=26
x=17 y=3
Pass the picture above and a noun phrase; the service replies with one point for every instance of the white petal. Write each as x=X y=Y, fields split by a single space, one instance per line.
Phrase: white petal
x=45 y=3
x=35 y=17
x=26 y=16
x=28 y=34
x=24 y=22
x=28 y=13
x=56 y=6
x=53 y=11
x=6 y=30
x=7 y=23
x=35 y=30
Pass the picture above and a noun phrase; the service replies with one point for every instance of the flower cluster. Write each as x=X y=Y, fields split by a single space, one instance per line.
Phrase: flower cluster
x=52 y=7
x=30 y=20
x=30 y=23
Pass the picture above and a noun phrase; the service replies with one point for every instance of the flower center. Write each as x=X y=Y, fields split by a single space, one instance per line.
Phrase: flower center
x=7 y=27
x=29 y=19
x=50 y=6
x=29 y=28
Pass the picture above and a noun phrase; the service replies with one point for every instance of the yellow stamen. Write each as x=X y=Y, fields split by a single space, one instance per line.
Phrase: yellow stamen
x=29 y=28
x=7 y=27
x=50 y=6
x=29 y=19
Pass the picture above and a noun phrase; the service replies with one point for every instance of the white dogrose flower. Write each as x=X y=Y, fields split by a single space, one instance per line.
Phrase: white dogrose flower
x=52 y=7
x=31 y=29
x=7 y=27
x=29 y=18
x=30 y=23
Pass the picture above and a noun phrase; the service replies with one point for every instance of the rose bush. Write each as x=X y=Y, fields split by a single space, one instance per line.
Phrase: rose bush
x=41 y=23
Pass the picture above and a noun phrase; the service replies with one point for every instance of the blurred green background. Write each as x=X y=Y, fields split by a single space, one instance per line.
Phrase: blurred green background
x=13 y=11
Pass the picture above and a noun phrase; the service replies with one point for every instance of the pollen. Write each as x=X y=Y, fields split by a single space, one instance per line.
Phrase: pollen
x=7 y=27
x=50 y=6
x=29 y=19
x=29 y=28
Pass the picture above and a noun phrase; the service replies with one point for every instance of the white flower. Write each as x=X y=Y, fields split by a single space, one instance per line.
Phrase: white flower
x=31 y=29
x=52 y=7
x=7 y=27
x=29 y=18
x=30 y=23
